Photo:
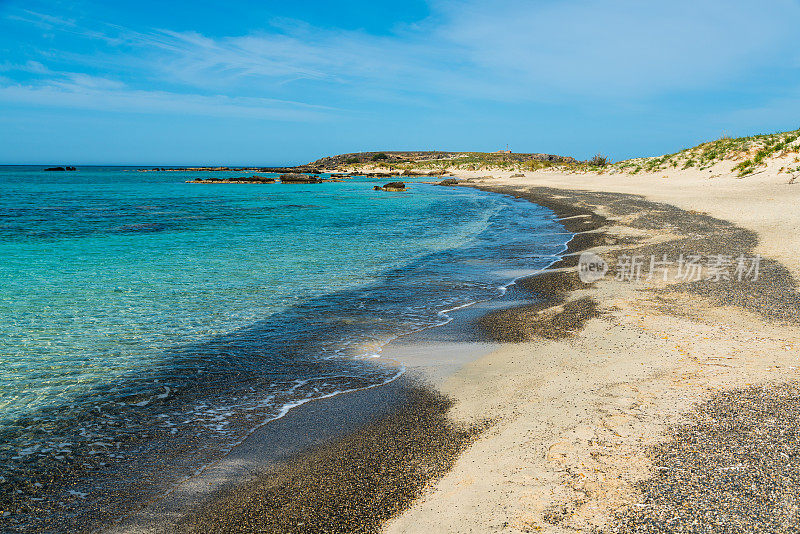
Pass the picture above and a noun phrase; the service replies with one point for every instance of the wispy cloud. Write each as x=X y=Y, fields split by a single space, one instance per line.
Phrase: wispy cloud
x=40 y=20
x=33 y=67
x=151 y=55
x=81 y=91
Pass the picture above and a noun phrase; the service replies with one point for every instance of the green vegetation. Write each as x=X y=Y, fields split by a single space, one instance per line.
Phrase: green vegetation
x=380 y=156
x=777 y=144
x=468 y=161
x=599 y=160
x=475 y=161
x=751 y=153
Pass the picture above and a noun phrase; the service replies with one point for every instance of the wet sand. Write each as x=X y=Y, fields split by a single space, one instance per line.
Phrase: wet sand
x=352 y=484
x=349 y=463
x=265 y=450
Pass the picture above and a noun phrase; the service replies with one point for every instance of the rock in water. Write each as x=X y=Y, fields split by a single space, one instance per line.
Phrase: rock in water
x=392 y=186
x=448 y=181
x=293 y=178
x=260 y=179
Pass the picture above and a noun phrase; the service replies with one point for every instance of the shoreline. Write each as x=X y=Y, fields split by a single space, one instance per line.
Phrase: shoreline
x=265 y=450
x=546 y=290
x=229 y=478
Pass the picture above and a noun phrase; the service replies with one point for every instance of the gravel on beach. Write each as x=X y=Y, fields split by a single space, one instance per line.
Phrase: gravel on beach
x=352 y=484
x=735 y=468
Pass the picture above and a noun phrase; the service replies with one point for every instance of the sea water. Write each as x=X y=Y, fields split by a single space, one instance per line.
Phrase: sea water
x=148 y=325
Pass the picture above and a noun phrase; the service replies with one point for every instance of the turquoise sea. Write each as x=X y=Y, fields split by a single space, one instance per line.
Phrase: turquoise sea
x=151 y=324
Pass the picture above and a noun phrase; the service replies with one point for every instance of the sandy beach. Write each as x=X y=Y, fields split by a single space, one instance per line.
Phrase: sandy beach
x=661 y=412
x=437 y=267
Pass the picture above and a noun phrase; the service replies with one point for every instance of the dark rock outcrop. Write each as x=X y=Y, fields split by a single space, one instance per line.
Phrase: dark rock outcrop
x=60 y=169
x=260 y=179
x=307 y=169
x=391 y=186
x=255 y=179
x=448 y=182
x=295 y=178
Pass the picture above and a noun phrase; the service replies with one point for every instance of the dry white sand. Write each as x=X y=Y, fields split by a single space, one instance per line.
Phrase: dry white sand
x=575 y=416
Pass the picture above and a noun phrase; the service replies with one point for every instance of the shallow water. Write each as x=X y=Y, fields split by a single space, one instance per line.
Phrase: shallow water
x=149 y=324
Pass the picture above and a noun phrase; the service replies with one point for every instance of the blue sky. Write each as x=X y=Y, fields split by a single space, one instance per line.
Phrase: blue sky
x=207 y=82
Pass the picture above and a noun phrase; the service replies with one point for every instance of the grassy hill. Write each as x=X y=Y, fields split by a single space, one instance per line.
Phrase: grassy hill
x=442 y=160
x=748 y=154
